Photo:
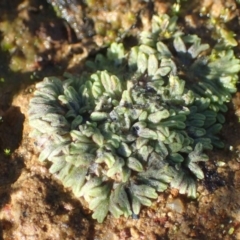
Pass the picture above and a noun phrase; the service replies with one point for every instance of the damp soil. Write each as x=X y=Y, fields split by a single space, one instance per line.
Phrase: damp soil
x=36 y=42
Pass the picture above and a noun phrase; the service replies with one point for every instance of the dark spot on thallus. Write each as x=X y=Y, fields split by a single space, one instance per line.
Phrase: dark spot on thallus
x=150 y=90
x=114 y=119
x=72 y=105
x=135 y=130
x=135 y=216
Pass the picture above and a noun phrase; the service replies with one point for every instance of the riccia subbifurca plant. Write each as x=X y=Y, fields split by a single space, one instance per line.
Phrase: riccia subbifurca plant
x=135 y=122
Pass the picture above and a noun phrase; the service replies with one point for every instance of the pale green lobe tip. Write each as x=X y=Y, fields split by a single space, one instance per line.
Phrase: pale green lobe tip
x=98 y=116
x=142 y=62
x=158 y=116
x=101 y=211
x=134 y=164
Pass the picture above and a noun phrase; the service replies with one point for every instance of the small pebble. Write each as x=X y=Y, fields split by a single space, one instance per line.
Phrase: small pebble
x=176 y=205
x=231 y=231
x=220 y=164
x=134 y=233
x=151 y=236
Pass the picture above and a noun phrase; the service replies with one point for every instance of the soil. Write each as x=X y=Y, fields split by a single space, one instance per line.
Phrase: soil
x=36 y=42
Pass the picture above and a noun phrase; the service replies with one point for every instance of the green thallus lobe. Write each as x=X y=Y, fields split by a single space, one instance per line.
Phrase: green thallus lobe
x=137 y=121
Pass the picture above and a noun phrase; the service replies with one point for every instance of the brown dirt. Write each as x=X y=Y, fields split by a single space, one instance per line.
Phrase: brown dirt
x=33 y=204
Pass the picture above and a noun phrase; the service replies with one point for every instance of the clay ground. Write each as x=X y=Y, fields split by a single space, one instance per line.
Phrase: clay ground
x=35 y=42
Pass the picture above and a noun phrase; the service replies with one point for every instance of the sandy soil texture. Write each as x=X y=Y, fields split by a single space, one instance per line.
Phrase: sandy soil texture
x=34 y=205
